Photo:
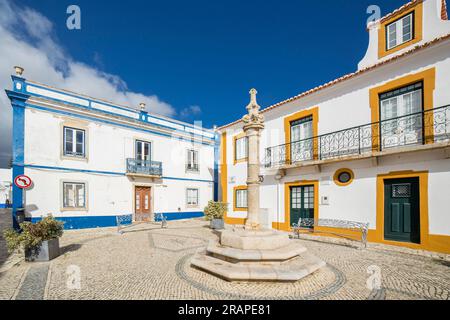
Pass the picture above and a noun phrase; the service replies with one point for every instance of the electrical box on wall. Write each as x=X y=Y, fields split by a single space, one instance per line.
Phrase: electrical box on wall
x=325 y=200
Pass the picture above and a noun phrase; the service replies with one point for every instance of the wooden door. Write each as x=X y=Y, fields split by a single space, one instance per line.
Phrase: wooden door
x=142 y=204
x=402 y=210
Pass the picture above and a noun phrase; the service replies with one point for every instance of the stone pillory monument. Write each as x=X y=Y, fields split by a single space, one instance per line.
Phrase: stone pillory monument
x=251 y=253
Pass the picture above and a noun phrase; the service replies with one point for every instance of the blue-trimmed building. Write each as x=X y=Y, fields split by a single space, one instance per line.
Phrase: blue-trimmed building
x=91 y=161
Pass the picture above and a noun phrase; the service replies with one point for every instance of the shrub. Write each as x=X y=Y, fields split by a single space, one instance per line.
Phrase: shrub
x=215 y=210
x=33 y=234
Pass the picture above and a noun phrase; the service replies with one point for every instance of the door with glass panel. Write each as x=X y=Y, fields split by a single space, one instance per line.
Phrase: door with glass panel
x=143 y=151
x=142 y=204
x=301 y=140
x=401 y=117
x=302 y=203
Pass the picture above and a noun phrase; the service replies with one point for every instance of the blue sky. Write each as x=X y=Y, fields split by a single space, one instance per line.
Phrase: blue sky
x=210 y=53
x=192 y=60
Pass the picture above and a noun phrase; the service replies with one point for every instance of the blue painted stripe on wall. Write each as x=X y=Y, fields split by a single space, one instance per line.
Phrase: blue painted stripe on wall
x=88 y=222
x=181 y=215
x=103 y=172
x=90 y=100
x=32 y=106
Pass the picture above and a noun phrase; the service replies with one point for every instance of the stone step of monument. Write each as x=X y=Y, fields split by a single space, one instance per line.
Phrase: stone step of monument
x=298 y=268
x=235 y=255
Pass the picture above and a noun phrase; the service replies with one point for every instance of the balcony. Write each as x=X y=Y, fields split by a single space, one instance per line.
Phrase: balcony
x=137 y=167
x=417 y=131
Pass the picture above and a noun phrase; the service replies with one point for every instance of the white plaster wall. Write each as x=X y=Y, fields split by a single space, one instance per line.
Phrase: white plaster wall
x=357 y=201
x=433 y=27
x=108 y=147
x=108 y=195
x=343 y=106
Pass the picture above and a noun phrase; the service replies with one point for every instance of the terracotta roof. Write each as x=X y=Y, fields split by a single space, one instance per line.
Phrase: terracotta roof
x=400 y=10
x=349 y=76
x=444 y=14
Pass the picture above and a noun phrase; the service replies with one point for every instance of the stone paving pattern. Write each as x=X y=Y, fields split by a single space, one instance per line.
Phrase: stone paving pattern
x=147 y=262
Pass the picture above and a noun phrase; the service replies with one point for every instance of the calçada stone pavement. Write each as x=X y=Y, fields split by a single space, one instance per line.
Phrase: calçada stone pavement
x=147 y=262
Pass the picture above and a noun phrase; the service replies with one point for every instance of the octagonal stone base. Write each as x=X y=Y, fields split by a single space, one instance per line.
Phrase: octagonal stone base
x=254 y=240
x=266 y=255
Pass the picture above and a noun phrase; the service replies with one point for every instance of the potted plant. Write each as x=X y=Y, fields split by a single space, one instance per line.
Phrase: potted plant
x=214 y=213
x=40 y=241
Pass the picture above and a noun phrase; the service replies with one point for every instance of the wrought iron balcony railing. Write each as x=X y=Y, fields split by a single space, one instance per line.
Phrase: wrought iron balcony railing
x=425 y=127
x=144 y=167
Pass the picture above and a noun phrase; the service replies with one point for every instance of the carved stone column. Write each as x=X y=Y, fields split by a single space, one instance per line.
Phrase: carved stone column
x=253 y=124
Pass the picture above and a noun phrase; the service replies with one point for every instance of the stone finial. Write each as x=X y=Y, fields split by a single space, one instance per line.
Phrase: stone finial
x=253 y=117
x=142 y=106
x=19 y=70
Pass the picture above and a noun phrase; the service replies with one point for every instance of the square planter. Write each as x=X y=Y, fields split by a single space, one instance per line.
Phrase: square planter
x=47 y=251
x=217 y=224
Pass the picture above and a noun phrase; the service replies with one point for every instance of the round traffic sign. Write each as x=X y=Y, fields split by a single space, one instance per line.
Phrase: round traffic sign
x=22 y=181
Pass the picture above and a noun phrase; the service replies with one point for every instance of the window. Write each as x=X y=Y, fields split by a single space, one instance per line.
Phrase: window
x=74 y=195
x=74 y=142
x=343 y=177
x=192 y=197
x=143 y=152
x=399 y=32
x=192 y=160
x=400 y=113
x=240 y=199
x=301 y=139
x=241 y=149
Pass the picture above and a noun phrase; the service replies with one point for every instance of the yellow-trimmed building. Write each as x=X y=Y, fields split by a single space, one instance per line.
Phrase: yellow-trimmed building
x=372 y=146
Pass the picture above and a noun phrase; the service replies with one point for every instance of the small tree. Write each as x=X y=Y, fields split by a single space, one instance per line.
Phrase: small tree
x=33 y=234
x=215 y=210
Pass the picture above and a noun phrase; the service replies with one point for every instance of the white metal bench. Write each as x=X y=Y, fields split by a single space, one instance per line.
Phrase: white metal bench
x=308 y=224
x=126 y=220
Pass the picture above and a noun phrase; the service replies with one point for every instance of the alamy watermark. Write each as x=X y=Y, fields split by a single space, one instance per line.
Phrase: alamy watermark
x=374 y=280
x=73 y=281
x=73 y=21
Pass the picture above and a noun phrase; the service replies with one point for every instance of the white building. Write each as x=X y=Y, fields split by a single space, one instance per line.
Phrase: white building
x=5 y=188
x=91 y=161
x=372 y=146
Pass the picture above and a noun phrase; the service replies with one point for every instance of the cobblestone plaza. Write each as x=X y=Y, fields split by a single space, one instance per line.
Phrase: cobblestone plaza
x=147 y=262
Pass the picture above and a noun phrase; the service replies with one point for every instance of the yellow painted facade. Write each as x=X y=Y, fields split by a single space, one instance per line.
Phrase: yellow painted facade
x=417 y=10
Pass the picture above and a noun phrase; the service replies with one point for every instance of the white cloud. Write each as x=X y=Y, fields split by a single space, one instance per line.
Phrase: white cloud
x=189 y=112
x=27 y=39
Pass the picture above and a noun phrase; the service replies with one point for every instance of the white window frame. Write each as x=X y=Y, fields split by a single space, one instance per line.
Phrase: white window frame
x=143 y=143
x=189 y=203
x=398 y=26
x=73 y=152
x=76 y=197
x=192 y=162
x=238 y=200
x=238 y=149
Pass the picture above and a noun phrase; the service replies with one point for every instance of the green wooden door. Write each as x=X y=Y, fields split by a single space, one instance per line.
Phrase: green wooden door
x=401 y=210
x=302 y=203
